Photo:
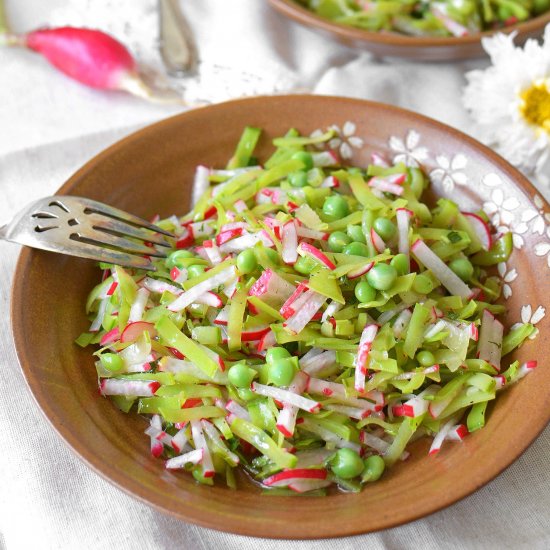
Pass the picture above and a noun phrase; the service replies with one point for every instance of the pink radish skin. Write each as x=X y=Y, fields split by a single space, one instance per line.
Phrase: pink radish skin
x=481 y=229
x=134 y=330
x=288 y=476
x=89 y=56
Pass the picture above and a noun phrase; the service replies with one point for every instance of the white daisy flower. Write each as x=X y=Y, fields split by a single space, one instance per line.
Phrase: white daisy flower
x=449 y=172
x=511 y=101
x=507 y=278
x=408 y=150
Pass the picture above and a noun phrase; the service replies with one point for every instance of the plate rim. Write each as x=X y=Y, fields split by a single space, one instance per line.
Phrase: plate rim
x=133 y=488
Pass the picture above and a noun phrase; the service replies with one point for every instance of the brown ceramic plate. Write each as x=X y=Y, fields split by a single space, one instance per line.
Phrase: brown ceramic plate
x=391 y=44
x=151 y=172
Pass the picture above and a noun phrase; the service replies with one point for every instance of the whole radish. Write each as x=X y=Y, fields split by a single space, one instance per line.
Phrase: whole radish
x=89 y=56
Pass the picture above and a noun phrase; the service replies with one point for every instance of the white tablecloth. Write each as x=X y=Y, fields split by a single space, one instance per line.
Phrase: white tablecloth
x=51 y=125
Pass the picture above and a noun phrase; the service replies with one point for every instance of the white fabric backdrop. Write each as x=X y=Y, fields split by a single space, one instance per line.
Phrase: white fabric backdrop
x=50 y=126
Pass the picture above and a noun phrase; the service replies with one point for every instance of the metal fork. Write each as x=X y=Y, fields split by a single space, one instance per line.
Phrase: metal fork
x=88 y=229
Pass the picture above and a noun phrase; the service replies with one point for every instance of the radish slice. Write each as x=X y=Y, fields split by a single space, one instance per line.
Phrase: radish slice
x=177 y=275
x=223 y=316
x=212 y=253
x=331 y=309
x=373 y=441
x=272 y=288
x=325 y=158
x=312 y=304
x=360 y=271
x=379 y=160
x=314 y=364
x=255 y=334
x=210 y=299
x=228 y=234
x=440 y=437
x=457 y=433
x=130 y=388
x=290 y=243
x=352 y=412
x=134 y=330
x=367 y=337
x=525 y=369
x=286 y=477
x=305 y=249
x=158 y=287
x=404 y=217
x=188 y=297
x=401 y=323
x=311 y=234
x=330 y=181
x=286 y=421
x=448 y=278
x=377 y=241
x=481 y=228
x=179 y=441
x=389 y=184
x=286 y=396
x=192 y=457
x=267 y=341
x=236 y=409
x=416 y=406
x=200 y=443
x=110 y=337
x=294 y=301
x=213 y=434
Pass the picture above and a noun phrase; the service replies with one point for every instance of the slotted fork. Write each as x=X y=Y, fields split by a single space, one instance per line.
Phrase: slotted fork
x=88 y=229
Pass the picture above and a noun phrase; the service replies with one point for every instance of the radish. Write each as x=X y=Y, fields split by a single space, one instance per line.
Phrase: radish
x=210 y=299
x=360 y=271
x=134 y=330
x=440 y=437
x=286 y=396
x=200 y=443
x=255 y=334
x=305 y=485
x=367 y=337
x=330 y=181
x=401 y=323
x=192 y=457
x=130 y=388
x=272 y=288
x=481 y=228
x=294 y=301
x=89 y=56
x=307 y=233
x=178 y=275
x=379 y=160
x=377 y=241
x=158 y=287
x=416 y=406
x=448 y=278
x=213 y=435
x=316 y=363
x=157 y=448
x=525 y=369
x=234 y=408
x=325 y=158
x=212 y=252
x=390 y=184
x=305 y=249
x=290 y=243
x=331 y=309
x=110 y=337
x=228 y=234
x=310 y=303
x=352 y=412
x=188 y=297
x=267 y=341
x=286 y=477
x=286 y=420
x=403 y=216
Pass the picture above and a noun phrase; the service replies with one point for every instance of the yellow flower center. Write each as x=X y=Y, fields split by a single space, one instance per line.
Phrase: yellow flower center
x=535 y=105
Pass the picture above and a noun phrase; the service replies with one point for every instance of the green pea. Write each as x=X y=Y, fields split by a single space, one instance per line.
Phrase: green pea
x=401 y=264
x=425 y=358
x=195 y=270
x=346 y=463
x=423 y=284
x=305 y=157
x=356 y=233
x=356 y=249
x=336 y=207
x=304 y=265
x=246 y=261
x=337 y=241
x=174 y=257
x=297 y=179
x=240 y=375
x=282 y=371
x=246 y=394
x=382 y=276
x=111 y=362
x=463 y=268
x=373 y=468
x=385 y=228
x=276 y=353
x=364 y=292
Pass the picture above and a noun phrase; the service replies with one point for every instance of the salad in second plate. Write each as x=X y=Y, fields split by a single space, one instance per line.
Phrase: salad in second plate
x=312 y=320
x=428 y=18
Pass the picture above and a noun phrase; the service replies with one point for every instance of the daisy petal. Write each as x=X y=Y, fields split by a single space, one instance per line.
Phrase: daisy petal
x=526 y=313
x=539 y=314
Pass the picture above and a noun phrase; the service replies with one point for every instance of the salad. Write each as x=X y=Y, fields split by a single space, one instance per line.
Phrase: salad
x=310 y=321
x=428 y=18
